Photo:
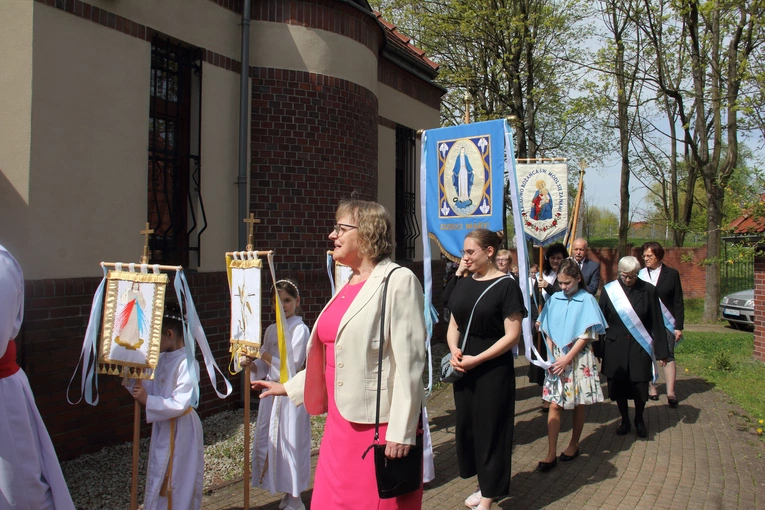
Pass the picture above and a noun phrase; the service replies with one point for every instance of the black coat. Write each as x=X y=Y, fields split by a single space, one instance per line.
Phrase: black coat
x=623 y=357
x=670 y=291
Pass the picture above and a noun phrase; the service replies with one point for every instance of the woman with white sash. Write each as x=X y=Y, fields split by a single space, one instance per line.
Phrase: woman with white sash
x=632 y=310
x=667 y=282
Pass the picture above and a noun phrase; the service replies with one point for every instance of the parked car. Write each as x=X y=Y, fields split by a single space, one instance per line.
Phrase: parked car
x=738 y=309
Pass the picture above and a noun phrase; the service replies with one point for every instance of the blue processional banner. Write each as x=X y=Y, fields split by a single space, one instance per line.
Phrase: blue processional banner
x=465 y=182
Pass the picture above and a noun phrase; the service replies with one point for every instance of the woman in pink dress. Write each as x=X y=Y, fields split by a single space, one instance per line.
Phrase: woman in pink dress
x=340 y=377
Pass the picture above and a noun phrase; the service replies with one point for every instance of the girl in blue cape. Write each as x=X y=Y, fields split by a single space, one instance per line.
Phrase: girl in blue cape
x=571 y=320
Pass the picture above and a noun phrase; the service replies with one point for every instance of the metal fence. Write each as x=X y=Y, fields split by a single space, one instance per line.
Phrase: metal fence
x=737 y=269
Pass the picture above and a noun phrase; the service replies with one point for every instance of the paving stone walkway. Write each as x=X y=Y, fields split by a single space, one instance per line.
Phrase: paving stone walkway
x=701 y=455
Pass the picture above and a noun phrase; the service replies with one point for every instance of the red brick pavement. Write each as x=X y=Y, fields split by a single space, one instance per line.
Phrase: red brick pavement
x=700 y=455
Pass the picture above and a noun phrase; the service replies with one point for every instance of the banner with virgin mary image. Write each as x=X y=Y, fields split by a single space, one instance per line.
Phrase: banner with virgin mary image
x=543 y=191
x=465 y=168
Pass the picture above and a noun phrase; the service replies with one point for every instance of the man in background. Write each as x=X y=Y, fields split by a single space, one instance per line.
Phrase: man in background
x=590 y=269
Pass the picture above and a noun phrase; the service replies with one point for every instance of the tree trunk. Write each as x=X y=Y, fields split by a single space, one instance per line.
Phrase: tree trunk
x=714 y=245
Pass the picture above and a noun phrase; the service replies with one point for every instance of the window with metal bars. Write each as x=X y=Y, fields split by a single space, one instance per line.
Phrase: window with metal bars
x=174 y=187
x=407 y=227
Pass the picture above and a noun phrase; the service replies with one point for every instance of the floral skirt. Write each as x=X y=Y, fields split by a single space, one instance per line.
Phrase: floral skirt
x=578 y=384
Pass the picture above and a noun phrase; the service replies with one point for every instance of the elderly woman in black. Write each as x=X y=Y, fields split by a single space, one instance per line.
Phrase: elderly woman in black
x=634 y=337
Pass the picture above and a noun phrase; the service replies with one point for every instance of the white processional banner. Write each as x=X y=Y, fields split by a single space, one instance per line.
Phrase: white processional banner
x=245 y=306
x=543 y=190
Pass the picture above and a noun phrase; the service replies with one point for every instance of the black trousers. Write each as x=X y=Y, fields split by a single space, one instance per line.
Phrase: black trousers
x=485 y=406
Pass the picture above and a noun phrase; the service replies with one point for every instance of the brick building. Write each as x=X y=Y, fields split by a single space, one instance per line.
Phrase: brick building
x=119 y=112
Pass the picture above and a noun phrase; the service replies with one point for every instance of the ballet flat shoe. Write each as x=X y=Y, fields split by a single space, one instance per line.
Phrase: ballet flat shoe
x=569 y=458
x=653 y=397
x=544 y=467
x=623 y=429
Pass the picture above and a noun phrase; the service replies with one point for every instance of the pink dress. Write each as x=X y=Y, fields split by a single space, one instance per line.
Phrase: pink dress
x=343 y=480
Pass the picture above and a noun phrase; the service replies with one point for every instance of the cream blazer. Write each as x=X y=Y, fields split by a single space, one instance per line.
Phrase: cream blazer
x=356 y=357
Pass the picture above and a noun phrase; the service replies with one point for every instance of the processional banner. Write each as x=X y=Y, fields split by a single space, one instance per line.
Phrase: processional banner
x=245 y=306
x=465 y=182
x=462 y=181
x=133 y=309
x=244 y=276
x=543 y=190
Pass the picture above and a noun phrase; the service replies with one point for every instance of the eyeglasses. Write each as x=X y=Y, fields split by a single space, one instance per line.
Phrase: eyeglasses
x=342 y=228
x=628 y=276
x=470 y=253
x=503 y=260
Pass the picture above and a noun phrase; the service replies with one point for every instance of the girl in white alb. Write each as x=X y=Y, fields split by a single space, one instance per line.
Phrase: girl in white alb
x=281 y=450
x=176 y=456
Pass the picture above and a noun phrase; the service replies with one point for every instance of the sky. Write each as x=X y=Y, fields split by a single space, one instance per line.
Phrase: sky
x=602 y=186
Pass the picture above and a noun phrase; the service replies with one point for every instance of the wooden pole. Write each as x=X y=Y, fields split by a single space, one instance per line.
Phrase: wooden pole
x=246 y=390
x=136 y=447
x=541 y=299
x=572 y=232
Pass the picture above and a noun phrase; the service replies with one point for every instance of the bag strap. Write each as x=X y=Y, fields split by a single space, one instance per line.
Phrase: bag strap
x=380 y=359
x=467 y=330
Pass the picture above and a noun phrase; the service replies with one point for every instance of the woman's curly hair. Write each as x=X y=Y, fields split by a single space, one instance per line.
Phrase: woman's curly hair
x=375 y=227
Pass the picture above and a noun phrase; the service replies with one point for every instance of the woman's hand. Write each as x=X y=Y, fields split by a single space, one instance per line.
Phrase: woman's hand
x=244 y=361
x=396 y=450
x=462 y=268
x=678 y=335
x=542 y=283
x=272 y=388
x=456 y=360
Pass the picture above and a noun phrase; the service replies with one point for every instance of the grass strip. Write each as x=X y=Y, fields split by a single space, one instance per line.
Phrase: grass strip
x=726 y=361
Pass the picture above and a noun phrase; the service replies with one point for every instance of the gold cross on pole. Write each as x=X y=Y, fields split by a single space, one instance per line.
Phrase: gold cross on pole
x=582 y=166
x=251 y=221
x=146 y=232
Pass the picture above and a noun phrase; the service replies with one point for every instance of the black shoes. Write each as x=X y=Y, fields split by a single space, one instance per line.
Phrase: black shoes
x=569 y=458
x=623 y=428
x=544 y=467
x=672 y=401
x=640 y=429
x=653 y=397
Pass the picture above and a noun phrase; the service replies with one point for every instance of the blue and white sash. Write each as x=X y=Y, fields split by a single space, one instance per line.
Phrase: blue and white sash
x=669 y=319
x=631 y=320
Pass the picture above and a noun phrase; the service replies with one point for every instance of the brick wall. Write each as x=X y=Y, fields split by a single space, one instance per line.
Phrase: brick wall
x=314 y=142
x=759 y=304
x=56 y=316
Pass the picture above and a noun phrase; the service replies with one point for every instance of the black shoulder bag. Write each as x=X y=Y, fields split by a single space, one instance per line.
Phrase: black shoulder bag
x=395 y=477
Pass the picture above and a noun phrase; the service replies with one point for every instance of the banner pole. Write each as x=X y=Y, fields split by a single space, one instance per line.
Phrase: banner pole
x=246 y=390
x=136 y=445
x=541 y=300
x=572 y=235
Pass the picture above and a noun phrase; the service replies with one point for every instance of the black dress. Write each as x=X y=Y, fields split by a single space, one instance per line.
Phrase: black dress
x=536 y=374
x=485 y=396
x=626 y=364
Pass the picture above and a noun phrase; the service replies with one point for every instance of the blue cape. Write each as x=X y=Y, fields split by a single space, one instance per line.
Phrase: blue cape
x=565 y=319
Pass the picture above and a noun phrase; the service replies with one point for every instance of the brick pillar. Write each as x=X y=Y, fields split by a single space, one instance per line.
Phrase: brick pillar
x=759 y=306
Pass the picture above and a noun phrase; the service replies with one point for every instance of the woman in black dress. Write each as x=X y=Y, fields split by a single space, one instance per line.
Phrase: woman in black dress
x=485 y=396
x=626 y=363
